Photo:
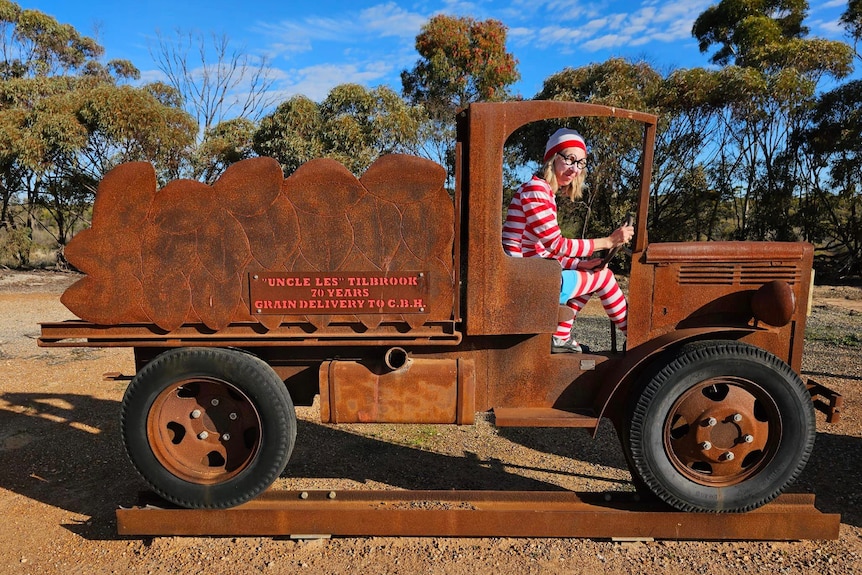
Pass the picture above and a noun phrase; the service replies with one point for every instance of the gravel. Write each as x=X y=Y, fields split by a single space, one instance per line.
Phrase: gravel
x=63 y=472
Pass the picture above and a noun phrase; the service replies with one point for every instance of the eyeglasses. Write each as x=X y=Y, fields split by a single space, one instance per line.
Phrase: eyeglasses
x=571 y=161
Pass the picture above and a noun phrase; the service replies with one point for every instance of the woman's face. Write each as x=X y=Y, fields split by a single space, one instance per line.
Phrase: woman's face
x=566 y=173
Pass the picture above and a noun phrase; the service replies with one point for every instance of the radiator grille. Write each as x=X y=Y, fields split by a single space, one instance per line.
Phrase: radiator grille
x=736 y=274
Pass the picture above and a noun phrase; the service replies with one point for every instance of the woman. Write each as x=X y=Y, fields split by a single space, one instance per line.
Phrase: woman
x=531 y=230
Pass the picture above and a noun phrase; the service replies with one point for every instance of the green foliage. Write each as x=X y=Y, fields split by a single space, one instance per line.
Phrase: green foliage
x=833 y=140
x=224 y=144
x=462 y=60
x=65 y=120
x=740 y=28
x=852 y=19
x=15 y=244
x=760 y=103
x=291 y=133
x=614 y=146
x=744 y=151
x=353 y=125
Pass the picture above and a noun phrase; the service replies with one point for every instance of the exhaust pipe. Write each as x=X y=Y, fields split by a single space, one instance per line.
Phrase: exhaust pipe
x=395 y=358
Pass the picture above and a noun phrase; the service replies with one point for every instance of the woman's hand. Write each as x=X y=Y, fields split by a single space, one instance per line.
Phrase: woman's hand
x=622 y=235
x=590 y=264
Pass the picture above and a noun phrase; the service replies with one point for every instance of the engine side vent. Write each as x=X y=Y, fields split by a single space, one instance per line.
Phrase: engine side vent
x=736 y=274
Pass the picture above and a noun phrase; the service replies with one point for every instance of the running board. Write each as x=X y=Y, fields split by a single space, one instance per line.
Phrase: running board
x=541 y=417
x=305 y=514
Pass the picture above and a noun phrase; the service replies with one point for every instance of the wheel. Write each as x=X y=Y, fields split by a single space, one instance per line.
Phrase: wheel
x=722 y=427
x=208 y=427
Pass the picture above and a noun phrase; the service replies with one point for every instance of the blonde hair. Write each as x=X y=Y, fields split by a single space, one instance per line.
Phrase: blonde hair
x=574 y=190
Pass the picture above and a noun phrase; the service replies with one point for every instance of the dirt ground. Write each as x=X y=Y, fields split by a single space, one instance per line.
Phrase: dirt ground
x=63 y=473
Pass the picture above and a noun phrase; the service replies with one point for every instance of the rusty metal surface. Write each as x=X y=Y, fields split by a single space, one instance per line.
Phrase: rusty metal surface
x=479 y=514
x=183 y=254
x=212 y=427
x=87 y=334
x=494 y=281
x=722 y=443
x=826 y=401
x=178 y=267
x=717 y=284
x=313 y=293
x=418 y=391
x=542 y=417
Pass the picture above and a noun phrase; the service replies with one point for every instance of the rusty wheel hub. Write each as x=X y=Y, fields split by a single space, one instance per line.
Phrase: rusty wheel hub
x=722 y=431
x=203 y=430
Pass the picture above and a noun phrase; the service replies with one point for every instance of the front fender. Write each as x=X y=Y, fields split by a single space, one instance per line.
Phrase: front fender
x=625 y=373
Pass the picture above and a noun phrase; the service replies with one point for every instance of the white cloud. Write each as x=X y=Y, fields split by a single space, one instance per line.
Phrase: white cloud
x=827 y=28
x=830 y=4
x=606 y=42
x=356 y=27
x=150 y=76
x=390 y=20
x=366 y=46
x=315 y=82
x=652 y=21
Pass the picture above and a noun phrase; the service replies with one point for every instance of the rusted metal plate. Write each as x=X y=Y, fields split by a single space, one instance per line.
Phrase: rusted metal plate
x=480 y=514
x=338 y=292
x=182 y=255
x=84 y=334
x=542 y=417
x=424 y=391
x=826 y=400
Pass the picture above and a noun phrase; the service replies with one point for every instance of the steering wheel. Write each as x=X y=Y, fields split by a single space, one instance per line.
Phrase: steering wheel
x=615 y=250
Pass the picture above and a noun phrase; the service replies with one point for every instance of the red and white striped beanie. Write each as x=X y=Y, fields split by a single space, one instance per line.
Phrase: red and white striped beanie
x=562 y=139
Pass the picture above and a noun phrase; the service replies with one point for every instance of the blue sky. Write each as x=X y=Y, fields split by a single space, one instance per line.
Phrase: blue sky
x=314 y=46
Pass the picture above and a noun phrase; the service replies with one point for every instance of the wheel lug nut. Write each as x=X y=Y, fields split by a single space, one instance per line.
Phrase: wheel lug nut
x=727 y=456
x=233 y=416
x=748 y=438
x=737 y=417
x=711 y=422
x=214 y=402
x=203 y=435
x=706 y=446
x=226 y=437
x=196 y=413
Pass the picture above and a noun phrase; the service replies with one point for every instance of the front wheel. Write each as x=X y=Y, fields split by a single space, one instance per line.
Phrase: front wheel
x=722 y=427
x=208 y=427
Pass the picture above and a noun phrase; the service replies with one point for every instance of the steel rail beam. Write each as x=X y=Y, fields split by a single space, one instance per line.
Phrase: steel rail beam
x=479 y=514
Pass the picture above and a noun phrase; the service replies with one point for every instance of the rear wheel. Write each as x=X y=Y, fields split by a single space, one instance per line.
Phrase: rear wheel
x=724 y=426
x=208 y=427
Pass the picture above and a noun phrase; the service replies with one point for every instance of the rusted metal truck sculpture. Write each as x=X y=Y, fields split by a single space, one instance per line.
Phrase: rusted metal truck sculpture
x=393 y=302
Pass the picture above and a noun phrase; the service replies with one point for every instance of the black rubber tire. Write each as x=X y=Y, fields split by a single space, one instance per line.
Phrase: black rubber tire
x=252 y=396
x=694 y=398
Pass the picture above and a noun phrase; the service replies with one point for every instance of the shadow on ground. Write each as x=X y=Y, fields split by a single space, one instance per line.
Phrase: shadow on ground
x=65 y=450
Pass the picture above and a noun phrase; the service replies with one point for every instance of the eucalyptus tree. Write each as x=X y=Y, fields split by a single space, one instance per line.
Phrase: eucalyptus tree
x=225 y=143
x=614 y=146
x=353 y=124
x=832 y=152
x=66 y=118
x=832 y=144
x=462 y=60
x=852 y=21
x=216 y=79
x=770 y=74
x=226 y=88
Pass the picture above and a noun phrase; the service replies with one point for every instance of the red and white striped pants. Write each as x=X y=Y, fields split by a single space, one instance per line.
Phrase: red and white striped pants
x=587 y=283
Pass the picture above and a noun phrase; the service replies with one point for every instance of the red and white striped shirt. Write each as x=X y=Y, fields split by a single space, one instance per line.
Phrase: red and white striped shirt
x=531 y=228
